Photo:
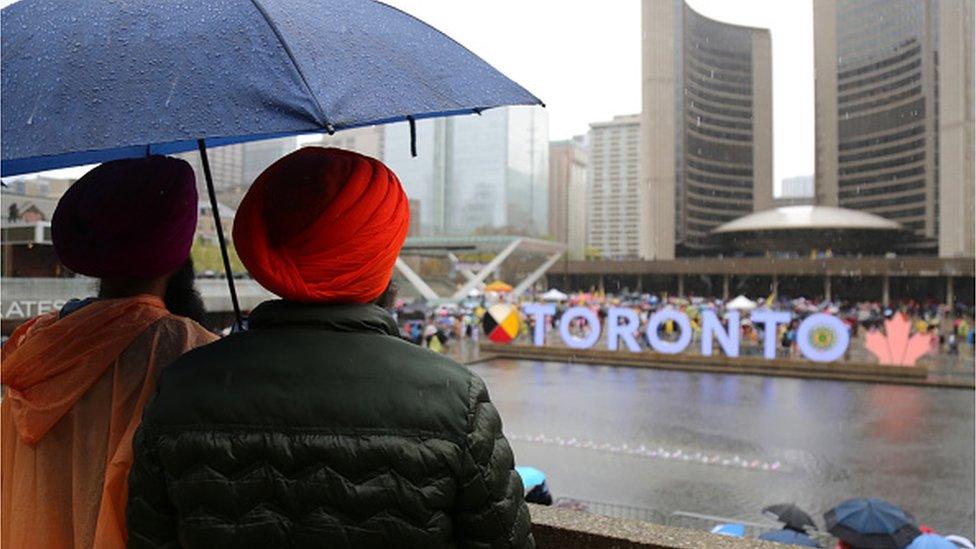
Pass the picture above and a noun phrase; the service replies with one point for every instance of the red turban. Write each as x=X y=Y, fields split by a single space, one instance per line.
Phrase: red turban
x=132 y=218
x=323 y=225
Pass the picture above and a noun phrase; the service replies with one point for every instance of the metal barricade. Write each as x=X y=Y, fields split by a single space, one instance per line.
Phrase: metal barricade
x=615 y=510
x=698 y=521
x=681 y=519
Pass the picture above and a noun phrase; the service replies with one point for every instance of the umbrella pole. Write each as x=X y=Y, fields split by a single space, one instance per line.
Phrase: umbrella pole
x=220 y=233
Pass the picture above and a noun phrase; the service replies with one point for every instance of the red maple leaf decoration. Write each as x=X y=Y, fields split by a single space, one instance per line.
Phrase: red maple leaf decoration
x=895 y=347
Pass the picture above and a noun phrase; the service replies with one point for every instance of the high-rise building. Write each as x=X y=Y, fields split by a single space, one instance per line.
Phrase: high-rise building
x=706 y=127
x=367 y=140
x=894 y=115
x=567 y=194
x=416 y=214
x=476 y=174
x=258 y=155
x=800 y=186
x=235 y=167
x=613 y=212
x=226 y=168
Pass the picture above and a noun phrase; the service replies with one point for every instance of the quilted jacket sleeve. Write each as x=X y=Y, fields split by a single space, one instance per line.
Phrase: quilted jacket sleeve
x=150 y=515
x=492 y=510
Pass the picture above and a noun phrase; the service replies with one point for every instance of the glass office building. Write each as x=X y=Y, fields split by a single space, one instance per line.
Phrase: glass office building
x=484 y=174
x=894 y=100
x=706 y=126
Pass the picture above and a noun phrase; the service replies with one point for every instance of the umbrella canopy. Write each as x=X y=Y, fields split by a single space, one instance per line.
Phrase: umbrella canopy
x=531 y=477
x=554 y=295
x=85 y=81
x=734 y=530
x=741 y=303
x=872 y=523
x=932 y=541
x=791 y=516
x=789 y=537
x=960 y=541
x=498 y=286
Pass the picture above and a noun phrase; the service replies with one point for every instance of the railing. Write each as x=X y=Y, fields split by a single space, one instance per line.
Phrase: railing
x=615 y=510
x=564 y=528
x=698 y=521
x=679 y=519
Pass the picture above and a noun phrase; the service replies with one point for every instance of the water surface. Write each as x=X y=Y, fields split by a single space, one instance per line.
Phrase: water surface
x=728 y=445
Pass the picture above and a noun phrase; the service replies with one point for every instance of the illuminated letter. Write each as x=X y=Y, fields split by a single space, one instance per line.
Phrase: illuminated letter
x=539 y=312
x=769 y=320
x=14 y=311
x=729 y=341
x=822 y=337
x=572 y=341
x=668 y=347
x=625 y=331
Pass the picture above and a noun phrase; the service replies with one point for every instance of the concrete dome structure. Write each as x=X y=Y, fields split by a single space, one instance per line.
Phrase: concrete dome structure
x=803 y=228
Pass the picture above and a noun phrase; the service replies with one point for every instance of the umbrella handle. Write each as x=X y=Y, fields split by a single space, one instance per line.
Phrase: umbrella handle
x=239 y=325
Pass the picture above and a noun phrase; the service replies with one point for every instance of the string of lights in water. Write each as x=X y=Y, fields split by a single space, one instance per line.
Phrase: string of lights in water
x=659 y=453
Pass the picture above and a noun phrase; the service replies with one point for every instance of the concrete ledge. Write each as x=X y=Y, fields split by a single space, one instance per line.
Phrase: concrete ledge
x=555 y=528
x=841 y=371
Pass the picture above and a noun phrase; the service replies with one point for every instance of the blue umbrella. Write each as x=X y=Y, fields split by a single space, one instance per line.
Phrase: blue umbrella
x=531 y=477
x=789 y=537
x=932 y=541
x=735 y=530
x=86 y=81
x=872 y=523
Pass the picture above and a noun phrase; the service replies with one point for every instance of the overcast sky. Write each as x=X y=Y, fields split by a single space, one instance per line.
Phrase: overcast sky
x=583 y=57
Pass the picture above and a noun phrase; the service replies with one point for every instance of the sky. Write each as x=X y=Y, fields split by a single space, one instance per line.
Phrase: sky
x=582 y=58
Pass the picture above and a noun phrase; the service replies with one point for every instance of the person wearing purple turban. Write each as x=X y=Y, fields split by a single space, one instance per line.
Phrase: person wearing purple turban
x=76 y=380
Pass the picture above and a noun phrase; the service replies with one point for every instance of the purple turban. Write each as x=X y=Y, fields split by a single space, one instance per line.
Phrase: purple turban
x=132 y=218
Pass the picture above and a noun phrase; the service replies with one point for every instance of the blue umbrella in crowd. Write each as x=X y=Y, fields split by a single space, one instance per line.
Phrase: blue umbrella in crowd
x=871 y=523
x=791 y=516
x=531 y=477
x=932 y=541
x=734 y=530
x=534 y=484
x=86 y=81
x=789 y=537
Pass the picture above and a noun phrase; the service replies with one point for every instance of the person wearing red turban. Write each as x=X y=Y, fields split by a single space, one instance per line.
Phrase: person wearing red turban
x=323 y=225
x=319 y=426
x=76 y=380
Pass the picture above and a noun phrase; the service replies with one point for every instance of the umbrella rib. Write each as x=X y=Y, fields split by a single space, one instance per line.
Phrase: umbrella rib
x=324 y=120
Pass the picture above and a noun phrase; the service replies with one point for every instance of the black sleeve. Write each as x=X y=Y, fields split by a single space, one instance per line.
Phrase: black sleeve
x=151 y=517
x=492 y=510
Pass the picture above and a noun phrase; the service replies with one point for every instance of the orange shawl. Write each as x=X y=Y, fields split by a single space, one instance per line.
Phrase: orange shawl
x=74 y=390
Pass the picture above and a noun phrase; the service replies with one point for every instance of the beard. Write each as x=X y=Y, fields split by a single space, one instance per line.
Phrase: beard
x=387 y=299
x=182 y=297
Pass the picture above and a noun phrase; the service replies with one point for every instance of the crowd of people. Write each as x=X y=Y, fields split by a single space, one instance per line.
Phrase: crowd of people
x=951 y=328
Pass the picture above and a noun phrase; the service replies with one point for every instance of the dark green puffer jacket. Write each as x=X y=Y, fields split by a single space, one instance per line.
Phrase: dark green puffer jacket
x=319 y=427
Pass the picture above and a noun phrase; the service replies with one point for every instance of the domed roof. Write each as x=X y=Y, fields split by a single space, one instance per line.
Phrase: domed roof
x=808 y=218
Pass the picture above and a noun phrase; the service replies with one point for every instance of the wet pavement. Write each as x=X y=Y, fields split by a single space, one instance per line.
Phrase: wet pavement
x=728 y=445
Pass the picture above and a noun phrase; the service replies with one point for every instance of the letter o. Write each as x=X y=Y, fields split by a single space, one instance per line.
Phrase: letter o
x=668 y=347
x=821 y=320
x=572 y=341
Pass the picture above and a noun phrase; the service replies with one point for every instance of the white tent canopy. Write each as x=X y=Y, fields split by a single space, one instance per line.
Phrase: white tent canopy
x=554 y=295
x=741 y=303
